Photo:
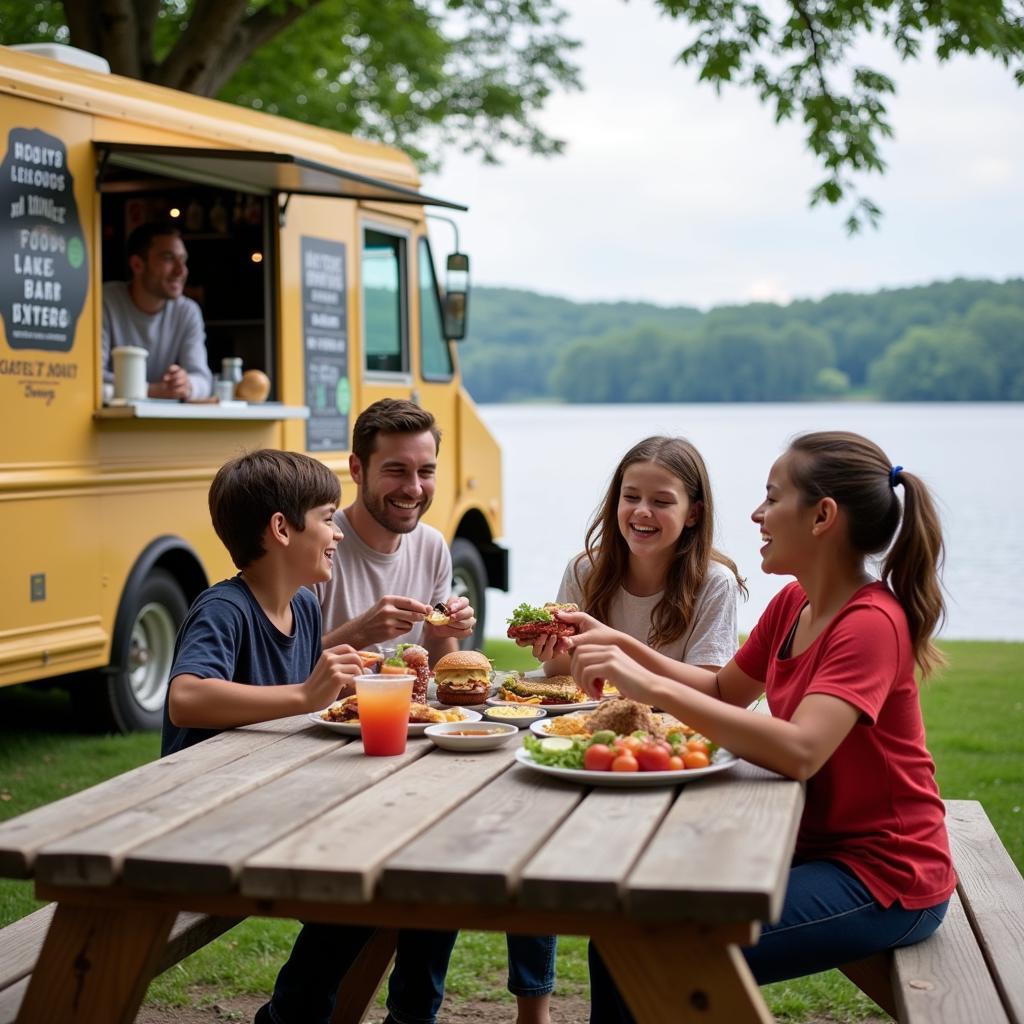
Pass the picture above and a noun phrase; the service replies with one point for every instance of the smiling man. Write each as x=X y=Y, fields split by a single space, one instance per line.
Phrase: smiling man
x=152 y=312
x=391 y=568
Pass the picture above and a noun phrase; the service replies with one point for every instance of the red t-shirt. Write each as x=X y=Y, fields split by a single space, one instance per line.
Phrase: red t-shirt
x=874 y=805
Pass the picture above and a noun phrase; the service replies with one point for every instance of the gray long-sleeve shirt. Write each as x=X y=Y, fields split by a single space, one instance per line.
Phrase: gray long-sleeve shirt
x=174 y=335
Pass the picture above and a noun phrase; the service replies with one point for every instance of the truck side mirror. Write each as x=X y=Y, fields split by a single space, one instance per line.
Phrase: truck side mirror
x=456 y=296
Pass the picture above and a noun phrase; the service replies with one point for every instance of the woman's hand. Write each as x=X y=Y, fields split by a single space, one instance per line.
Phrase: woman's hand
x=594 y=664
x=588 y=631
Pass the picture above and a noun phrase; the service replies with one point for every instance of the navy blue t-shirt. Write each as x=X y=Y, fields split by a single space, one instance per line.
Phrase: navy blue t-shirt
x=227 y=635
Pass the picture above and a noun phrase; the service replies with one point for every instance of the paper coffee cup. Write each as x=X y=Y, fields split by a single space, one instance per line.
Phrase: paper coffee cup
x=129 y=372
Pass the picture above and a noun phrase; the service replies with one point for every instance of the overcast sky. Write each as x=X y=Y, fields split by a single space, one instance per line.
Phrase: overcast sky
x=671 y=194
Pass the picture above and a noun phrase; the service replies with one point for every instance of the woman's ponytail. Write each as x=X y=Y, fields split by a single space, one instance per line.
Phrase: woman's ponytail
x=911 y=569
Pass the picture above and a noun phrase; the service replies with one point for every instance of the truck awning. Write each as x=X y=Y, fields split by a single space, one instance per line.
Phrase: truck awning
x=258 y=173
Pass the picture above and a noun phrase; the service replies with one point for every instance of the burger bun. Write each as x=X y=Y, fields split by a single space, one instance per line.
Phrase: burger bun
x=463 y=677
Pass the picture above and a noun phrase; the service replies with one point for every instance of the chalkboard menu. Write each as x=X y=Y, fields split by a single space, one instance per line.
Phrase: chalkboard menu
x=325 y=335
x=45 y=269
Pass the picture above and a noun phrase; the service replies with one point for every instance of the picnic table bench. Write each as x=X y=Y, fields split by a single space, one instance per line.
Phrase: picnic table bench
x=972 y=969
x=287 y=820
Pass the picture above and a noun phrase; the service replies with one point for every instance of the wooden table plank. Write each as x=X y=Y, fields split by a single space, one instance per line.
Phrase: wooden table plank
x=337 y=857
x=474 y=855
x=206 y=854
x=992 y=890
x=22 y=837
x=717 y=828
x=583 y=865
x=93 y=856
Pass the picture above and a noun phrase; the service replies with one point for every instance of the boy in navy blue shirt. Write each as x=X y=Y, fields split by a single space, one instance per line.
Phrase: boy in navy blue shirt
x=249 y=651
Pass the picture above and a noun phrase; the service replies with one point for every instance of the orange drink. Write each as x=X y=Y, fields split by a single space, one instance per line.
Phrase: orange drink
x=384 y=712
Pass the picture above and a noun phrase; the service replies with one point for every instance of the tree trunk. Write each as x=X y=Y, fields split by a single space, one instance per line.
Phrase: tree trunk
x=119 y=38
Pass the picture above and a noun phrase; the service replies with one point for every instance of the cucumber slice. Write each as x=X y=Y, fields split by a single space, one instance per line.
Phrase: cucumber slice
x=555 y=744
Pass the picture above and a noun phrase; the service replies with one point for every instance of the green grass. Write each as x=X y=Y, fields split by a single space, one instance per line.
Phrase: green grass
x=974 y=713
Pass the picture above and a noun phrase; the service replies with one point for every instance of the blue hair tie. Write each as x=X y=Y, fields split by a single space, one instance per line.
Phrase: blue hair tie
x=894 y=475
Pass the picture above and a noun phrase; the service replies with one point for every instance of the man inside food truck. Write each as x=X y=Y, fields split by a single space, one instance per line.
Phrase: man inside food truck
x=152 y=312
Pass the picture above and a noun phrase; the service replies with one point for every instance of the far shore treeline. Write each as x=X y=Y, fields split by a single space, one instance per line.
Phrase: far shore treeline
x=955 y=341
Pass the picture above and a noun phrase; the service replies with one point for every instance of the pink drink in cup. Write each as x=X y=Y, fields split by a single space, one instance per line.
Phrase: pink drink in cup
x=384 y=712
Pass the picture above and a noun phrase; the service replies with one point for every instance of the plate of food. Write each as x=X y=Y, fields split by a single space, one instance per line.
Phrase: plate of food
x=343 y=716
x=622 y=743
x=621 y=716
x=720 y=761
x=556 y=694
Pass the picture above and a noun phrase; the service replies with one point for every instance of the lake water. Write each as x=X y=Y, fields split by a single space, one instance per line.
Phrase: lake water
x=557 y=461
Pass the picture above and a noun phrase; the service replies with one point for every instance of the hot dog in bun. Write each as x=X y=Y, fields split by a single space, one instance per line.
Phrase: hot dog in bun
x=462 y=677
x=530 y=623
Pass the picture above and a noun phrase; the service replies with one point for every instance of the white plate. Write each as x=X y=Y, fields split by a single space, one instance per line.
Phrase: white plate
x=721 y=760
x=415 y=728
x=540 y=728
x=552 y=709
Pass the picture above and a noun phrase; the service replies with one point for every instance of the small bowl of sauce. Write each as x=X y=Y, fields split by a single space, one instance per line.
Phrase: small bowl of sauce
x=466 y=736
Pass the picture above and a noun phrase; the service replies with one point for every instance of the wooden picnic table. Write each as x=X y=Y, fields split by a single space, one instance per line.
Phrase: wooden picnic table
x=286 y=819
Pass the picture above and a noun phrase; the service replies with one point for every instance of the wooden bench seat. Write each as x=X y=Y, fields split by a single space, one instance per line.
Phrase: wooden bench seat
x=21 y=941
x=972 y=969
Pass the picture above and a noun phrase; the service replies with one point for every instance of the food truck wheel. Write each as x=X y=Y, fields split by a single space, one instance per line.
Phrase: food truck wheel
x=469 y=580
x=129 y=695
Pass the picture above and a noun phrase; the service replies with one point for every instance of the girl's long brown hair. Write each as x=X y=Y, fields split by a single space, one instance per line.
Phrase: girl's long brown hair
x=857 y=474
x=608 y=554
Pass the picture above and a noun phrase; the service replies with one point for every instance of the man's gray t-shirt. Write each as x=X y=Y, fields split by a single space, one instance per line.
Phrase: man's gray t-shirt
x=421 y=568
x=711 y=638
x=174 y=335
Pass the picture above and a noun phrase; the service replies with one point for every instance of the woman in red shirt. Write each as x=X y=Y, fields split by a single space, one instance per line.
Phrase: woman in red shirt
x=835 y=654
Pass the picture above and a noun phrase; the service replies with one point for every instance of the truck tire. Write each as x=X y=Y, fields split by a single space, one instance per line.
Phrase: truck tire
x=469 y=580
x=129 y=695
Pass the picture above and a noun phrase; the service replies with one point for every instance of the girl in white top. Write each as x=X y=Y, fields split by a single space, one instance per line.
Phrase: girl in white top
x=650 y=568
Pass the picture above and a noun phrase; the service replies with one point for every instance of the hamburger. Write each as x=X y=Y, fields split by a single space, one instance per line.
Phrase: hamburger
x=463 y=677
x=530 y=623
x=551 y=690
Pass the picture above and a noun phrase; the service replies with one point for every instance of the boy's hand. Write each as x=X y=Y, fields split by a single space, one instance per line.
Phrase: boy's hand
x=332 y=677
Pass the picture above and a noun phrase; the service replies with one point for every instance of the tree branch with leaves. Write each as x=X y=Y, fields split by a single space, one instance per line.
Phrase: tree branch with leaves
x=413 y=73
x=799 y=57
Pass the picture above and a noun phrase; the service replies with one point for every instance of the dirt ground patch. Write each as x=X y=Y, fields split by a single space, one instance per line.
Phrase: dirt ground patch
x=564 y=1010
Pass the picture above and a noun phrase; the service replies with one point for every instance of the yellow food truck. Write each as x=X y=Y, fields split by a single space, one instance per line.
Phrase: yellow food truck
x=310 y=258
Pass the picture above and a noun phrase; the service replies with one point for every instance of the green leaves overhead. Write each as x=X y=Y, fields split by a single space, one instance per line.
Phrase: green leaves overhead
x=800 y=58
x=419 y=74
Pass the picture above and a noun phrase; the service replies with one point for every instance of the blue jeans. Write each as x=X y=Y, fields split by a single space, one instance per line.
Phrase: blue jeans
x=416 y=985
x=828 y=919
x=531 y=964
x=307 y=984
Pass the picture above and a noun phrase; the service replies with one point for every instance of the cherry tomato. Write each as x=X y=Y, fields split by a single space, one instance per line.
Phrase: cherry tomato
x=625 y=763
x=696 y=759
x=675 y=763
x=652 y=758
x=598 y=758
x=699 y=744
x=628 y=743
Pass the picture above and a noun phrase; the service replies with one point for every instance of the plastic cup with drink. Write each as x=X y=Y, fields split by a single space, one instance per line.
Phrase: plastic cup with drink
x=384 y=712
